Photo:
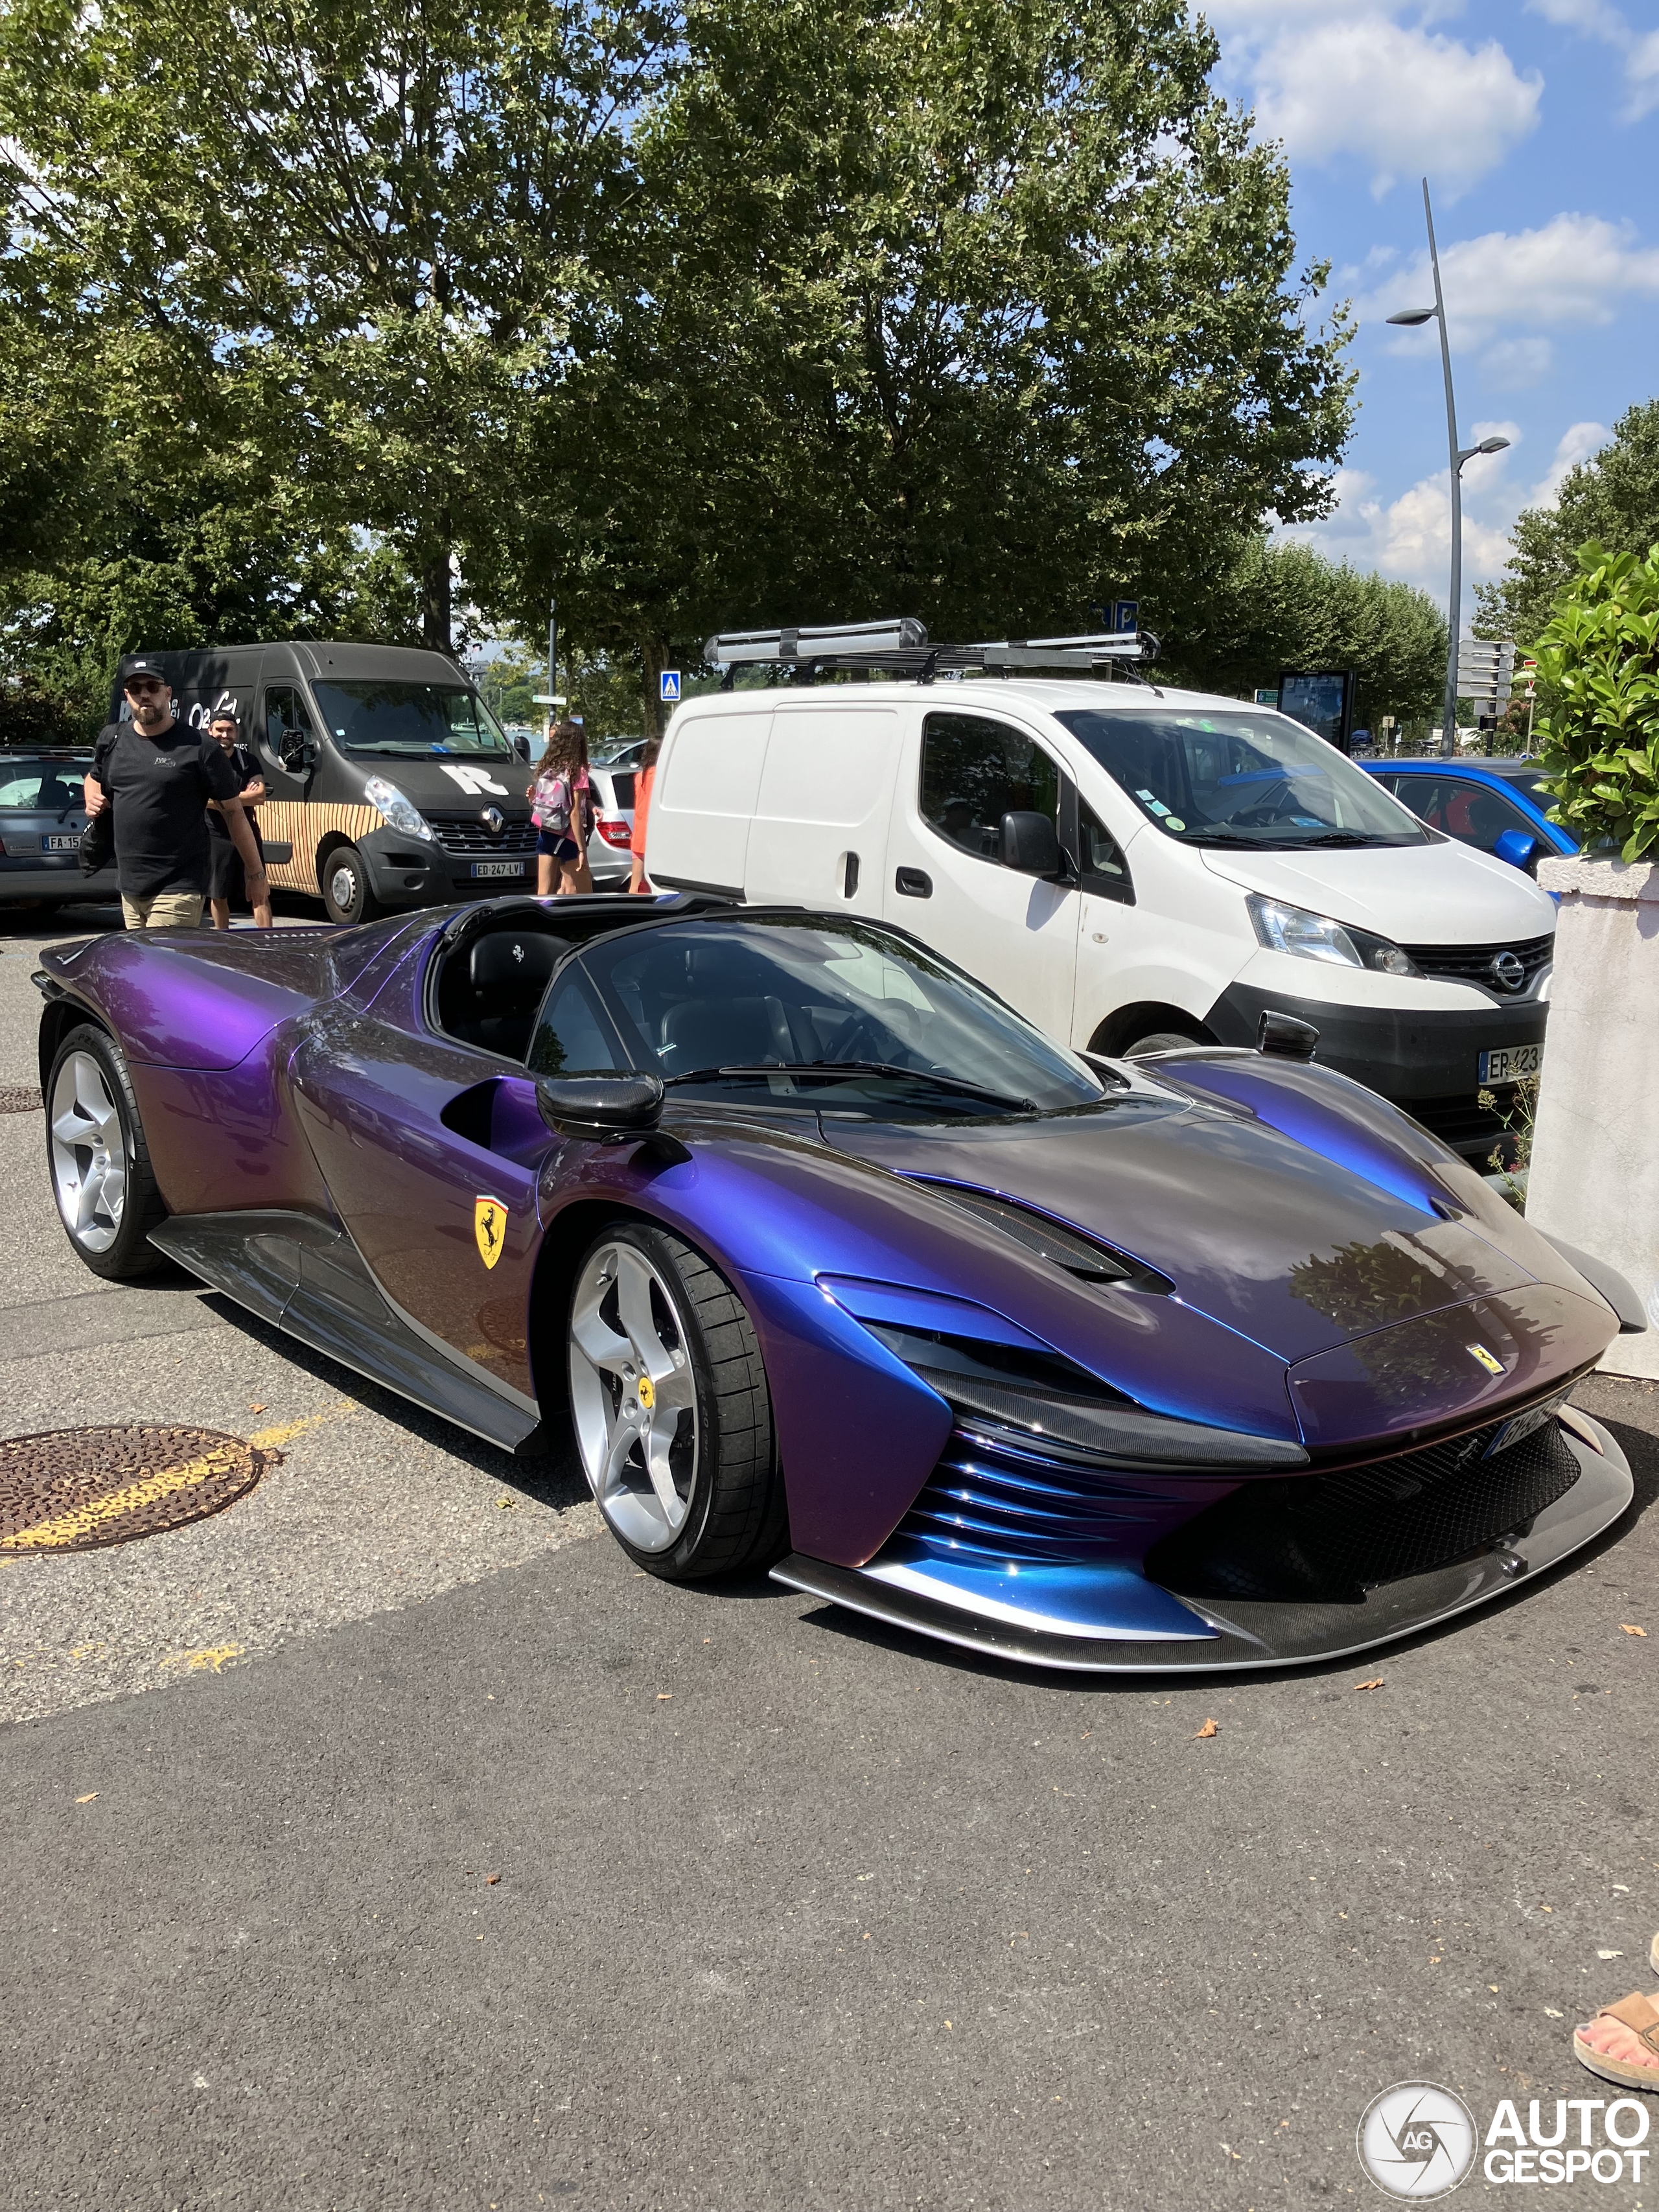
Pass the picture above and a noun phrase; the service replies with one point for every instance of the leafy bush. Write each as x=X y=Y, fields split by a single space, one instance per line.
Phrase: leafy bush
x=1598 y=663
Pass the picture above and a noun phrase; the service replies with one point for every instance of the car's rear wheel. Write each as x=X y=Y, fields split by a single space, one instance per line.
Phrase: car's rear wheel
x=347 y=893
x=99 y=1163
x=669 y=1402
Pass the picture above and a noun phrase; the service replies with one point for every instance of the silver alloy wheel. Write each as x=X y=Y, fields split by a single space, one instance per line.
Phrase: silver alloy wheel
x=633 y=1396
x=343 y=887
x=89 y=1153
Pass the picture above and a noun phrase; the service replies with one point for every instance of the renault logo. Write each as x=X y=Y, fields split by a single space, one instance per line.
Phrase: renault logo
x=1508 y=971
x=494 y=821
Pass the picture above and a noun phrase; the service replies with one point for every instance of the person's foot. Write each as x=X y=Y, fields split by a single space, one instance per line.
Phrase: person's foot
x=1621 y=2043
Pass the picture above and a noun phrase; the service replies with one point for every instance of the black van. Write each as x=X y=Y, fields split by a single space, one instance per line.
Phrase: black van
x=391 y=783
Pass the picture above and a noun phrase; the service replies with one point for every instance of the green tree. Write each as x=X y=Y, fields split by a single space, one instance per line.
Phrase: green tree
x=1598 y=663
x=1282 y=605
x=953 y=307
x=1613 y=499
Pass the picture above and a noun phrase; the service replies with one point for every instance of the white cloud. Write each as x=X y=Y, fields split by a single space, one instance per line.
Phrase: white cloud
x=1333 y=79
x=1599 y=18
x=1573 y=272
x=1409 y=539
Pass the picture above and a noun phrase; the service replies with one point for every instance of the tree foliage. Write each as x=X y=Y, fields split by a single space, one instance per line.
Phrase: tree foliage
x=1283 y=606
x=1598 y=662
x=1612 y=499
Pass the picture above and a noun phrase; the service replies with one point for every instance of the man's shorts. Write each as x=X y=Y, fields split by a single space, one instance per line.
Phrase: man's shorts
x=163 y=910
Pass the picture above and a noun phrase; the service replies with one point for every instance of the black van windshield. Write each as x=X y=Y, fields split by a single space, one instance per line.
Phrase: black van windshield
x=1241 y=779
x=410 y=720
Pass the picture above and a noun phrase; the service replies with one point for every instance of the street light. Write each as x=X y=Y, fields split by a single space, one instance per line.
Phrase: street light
x=1412 y=318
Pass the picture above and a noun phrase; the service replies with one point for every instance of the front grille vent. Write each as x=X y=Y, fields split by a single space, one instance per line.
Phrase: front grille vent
x=1473 y=963
x=465 y=833
x=1326 y=1539
x=992 y=1501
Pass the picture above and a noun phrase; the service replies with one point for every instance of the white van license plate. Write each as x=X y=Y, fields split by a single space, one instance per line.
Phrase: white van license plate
x=497 y=868
x=1510 y=1063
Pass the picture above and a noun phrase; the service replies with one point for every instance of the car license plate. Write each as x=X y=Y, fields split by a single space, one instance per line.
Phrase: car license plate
x=1510 y=1063
x=498 y=868
x=60 y=844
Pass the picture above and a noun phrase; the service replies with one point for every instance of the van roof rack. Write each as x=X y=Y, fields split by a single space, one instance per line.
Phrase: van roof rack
x=902 y=647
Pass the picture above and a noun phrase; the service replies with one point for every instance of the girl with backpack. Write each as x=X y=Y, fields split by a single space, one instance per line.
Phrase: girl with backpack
x=562 y=808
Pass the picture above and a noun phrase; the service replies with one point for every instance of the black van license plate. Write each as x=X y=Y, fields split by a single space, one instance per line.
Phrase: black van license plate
x=497 y=868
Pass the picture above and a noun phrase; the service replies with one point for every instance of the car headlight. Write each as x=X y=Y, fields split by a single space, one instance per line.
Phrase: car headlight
x=1292 y=929
x=399 y=810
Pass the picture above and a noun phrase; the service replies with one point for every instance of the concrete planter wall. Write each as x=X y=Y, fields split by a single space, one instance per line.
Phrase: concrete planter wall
x=1594 y=1177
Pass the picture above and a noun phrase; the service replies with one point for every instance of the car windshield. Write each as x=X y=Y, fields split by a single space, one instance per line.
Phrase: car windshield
x=43 y=787
x=1214 y=778
x=409 y=721
x=841 y=1017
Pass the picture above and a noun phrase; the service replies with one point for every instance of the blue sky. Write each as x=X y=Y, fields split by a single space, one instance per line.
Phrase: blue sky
x=1537 y=125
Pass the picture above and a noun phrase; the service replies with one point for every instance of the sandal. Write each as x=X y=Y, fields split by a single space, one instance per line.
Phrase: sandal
x=1641 y=2016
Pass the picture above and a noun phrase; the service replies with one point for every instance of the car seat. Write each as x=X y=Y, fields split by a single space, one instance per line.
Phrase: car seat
x=508 y=973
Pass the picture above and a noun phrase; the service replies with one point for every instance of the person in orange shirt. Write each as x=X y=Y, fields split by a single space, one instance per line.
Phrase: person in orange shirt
x=645 y=776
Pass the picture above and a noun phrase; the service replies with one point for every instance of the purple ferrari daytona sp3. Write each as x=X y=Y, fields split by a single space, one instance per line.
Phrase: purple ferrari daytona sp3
x=833 y=1265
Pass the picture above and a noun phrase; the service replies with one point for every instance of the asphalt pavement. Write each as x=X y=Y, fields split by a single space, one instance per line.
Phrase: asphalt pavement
x=382 y=1842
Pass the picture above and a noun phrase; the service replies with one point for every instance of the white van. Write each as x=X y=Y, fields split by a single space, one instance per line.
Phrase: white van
x=1135 y=868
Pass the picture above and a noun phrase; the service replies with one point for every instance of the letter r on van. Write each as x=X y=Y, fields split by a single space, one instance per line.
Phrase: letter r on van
x=475 y=781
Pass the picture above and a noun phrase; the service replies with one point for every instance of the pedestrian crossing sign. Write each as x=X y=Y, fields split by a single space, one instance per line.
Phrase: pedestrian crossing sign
x=670 y=681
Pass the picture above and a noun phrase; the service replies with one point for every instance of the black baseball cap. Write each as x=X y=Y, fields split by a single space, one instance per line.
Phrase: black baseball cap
x=146 y=665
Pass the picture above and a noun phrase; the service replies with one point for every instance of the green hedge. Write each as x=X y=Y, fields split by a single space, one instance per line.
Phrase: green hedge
x=1598 y=663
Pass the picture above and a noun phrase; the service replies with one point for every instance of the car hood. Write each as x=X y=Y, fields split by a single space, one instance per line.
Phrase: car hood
x=1444 y=894
x=464 y=785
x=1297 y=1250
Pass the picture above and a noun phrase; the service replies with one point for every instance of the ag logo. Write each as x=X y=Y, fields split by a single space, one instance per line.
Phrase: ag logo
x=1417 y=2141
x=489 y=1227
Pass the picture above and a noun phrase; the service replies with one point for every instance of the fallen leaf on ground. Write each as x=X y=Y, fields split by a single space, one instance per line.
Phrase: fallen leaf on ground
x=1609 y=1954
x=490 y=1881
x=1553 y=2015
x=1376 y=1683
x=1210 y=1728
x=1631 y=1629
x=663 y=1696
x=87 y=1799
x=258 y=1409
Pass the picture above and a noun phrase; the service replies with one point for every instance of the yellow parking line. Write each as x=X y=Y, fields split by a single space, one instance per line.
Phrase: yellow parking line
x=83 y=1520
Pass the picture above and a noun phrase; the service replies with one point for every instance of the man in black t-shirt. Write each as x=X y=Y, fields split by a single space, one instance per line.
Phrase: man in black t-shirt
x=225 y=863
x=160 y=775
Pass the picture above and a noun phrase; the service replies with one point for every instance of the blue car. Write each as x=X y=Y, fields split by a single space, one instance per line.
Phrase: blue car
x=1499 y=807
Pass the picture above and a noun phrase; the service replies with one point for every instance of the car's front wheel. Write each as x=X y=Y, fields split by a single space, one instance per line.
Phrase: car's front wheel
x=669 y=1402
x=99 y=1163
x=347 y=893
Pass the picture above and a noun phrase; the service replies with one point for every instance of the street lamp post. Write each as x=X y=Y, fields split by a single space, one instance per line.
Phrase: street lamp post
x=1412 y=318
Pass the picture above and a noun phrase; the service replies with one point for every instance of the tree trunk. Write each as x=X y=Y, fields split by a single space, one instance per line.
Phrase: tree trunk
x=435 y=604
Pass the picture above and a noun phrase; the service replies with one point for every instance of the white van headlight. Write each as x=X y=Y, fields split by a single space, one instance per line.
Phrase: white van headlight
x=1292 y=929
x=399 y=810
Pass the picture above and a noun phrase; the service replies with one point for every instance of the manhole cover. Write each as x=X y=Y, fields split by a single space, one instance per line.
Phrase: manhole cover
x=70 y=1490
x=19 y=1098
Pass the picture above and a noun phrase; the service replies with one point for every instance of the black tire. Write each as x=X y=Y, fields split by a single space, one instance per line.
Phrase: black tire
x=1161 y=1041
x=735 y=1512
x=348 y=895
x=114 y=1244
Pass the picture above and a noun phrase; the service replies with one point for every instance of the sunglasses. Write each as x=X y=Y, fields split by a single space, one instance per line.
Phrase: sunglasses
x=141 y=684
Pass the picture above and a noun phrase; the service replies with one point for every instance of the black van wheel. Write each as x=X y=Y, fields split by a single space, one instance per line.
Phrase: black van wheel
x=346 y=891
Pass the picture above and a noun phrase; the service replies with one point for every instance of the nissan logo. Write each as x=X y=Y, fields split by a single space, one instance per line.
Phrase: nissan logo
x=494 y=821
x=1509 y=971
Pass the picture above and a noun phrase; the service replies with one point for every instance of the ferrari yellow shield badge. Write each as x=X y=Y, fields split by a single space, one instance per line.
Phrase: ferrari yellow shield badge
x=1492 y=1365
x=489 y=1227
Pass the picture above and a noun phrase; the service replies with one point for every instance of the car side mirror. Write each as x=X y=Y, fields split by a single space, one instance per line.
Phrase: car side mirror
x=1029 y=845
x=299 y=756
x=520 y=748
x=1285 y=1037
x=1515 y=847
x=604 y=1109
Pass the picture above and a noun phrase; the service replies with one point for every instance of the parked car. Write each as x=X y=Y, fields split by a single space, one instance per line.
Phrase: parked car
x=609 y=859
x=827 y=1261
x=41 y=818
x=1497 y=806
x=1136 y=869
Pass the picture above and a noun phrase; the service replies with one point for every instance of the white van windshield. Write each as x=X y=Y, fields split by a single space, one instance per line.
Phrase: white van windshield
x=1224 y=779
x=409 y=719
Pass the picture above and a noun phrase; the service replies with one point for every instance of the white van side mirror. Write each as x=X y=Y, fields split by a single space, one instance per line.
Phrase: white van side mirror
x=1031 y=845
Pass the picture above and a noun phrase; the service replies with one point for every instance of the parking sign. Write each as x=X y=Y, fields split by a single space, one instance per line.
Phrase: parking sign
x=1126 y=615
x=669 y=682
